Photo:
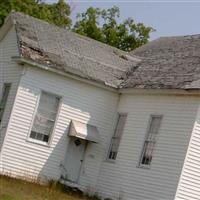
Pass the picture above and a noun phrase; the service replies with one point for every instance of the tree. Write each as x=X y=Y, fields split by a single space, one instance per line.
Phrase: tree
x=87 y=24
x=102 y=25
x=56 y=13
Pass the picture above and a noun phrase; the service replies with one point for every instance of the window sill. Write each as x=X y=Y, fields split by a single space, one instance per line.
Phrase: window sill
x=110 y=161
x=45 y=144
x=143 y=167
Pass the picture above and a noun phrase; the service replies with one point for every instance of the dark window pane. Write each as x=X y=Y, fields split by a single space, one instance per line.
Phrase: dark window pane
x=6 y=90
x=39 y=136
x=45 y=117
x=33 y=135
x=150 y=141
x=46 y=138
x=114 y=146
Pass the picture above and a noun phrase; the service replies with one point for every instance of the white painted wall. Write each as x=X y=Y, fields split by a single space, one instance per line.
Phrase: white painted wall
x=80 y=102
x=123 y=178
x=97 y=106
x=9 y=73
x=189 y=184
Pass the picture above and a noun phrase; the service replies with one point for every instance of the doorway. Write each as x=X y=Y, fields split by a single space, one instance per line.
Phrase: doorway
x=74 y=158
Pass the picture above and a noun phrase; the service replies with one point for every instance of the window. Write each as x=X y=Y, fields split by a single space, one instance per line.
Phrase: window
x=5 y=93
x=150 y=141
x=45 y=117
x=112 y=154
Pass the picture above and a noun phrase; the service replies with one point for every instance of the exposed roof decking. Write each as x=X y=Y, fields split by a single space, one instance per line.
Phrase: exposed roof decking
x=70 y=52
x=165 y=63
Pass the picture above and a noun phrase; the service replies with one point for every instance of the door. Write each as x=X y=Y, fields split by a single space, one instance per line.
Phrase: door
x=74 y=158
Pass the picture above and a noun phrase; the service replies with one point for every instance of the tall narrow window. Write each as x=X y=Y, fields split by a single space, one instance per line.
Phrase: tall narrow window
x=45 y=117
x=4 y=98
x=114 y=146
x=150 y=141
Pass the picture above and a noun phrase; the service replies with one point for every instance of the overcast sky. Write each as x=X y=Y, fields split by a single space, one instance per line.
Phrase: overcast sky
x=168 y=17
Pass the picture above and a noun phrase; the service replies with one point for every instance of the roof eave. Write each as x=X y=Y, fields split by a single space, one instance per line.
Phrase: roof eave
x=160 y=91
x=24 y=61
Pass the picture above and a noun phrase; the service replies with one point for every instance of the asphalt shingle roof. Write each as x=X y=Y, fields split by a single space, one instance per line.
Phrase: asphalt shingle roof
x=69 y=52
x=168 y=62
x=165 y=63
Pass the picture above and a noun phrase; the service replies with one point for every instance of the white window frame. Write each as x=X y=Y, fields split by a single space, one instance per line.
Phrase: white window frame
x=140 y=164
x=32 y=140
x=116 y=138
x=9 y=85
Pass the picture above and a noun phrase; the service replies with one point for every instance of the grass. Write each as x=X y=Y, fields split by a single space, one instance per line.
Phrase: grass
x=14 y=189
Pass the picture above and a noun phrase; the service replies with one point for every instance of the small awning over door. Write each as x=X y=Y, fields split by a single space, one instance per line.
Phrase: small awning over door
x=84 y=131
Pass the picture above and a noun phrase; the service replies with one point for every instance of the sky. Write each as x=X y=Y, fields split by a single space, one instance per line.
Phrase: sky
x=168 y=17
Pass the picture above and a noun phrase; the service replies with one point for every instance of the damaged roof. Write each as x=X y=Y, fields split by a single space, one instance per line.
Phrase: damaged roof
x=168 y=63
x=165 y=63
x=66 y=51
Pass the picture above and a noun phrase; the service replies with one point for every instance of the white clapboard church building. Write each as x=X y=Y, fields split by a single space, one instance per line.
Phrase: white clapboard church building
x=116 y=124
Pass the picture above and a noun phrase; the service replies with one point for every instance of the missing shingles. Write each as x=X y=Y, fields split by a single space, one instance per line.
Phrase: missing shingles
x=120 y=55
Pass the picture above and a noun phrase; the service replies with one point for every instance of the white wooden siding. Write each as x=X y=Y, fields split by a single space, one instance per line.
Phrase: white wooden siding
x=123 y=179
x=189 y=184
x=96 y=106
x=80 y=102
x=9 y=73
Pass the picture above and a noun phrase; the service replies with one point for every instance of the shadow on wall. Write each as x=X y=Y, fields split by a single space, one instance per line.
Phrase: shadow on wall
x=77 y=108
x=80 y=102
x=55 y=165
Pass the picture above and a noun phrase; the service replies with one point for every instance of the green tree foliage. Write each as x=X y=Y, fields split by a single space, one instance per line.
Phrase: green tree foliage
x=102 y=25
x=56 y=13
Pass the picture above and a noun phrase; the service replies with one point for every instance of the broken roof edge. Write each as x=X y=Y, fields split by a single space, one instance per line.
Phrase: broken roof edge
x=10 y=21
x=183 y=91
x=11 y=16
x=21 y=60
x=122 y=54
